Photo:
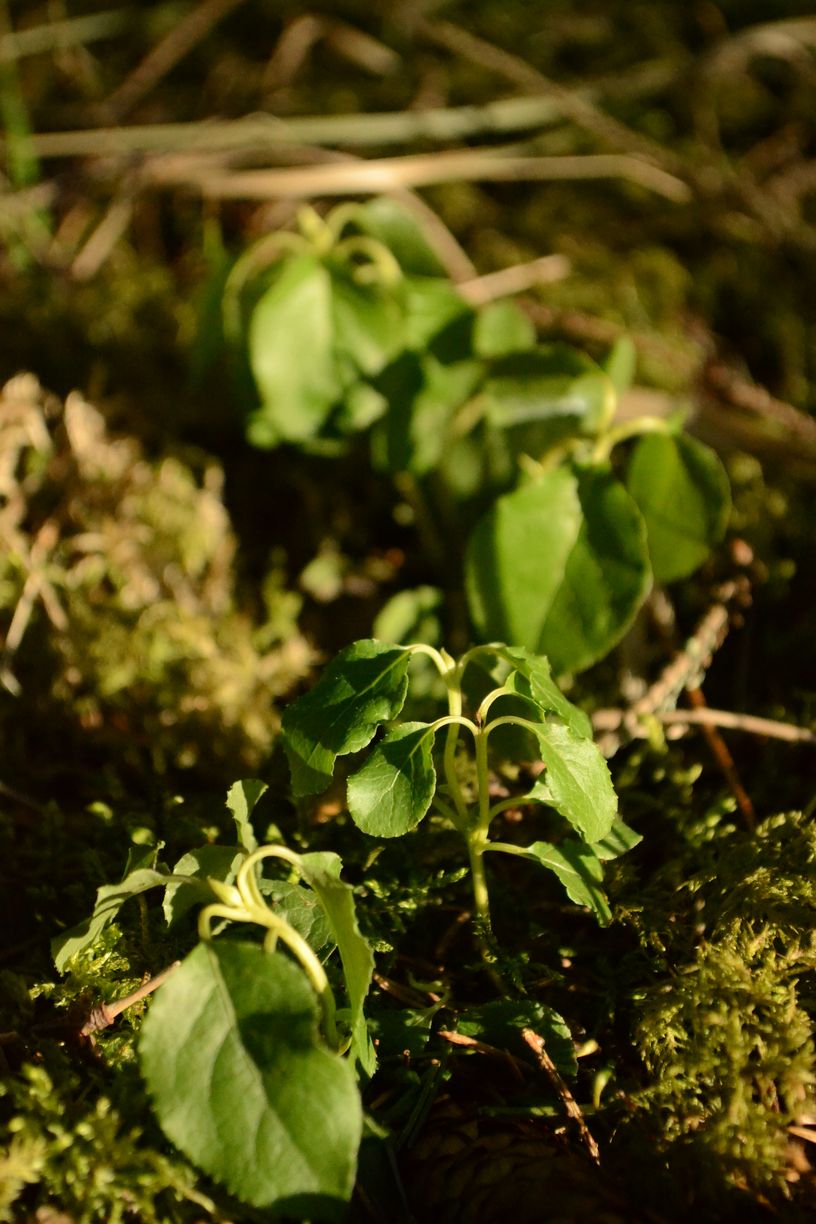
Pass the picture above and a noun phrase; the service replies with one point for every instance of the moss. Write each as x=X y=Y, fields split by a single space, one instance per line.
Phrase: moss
x=117 y=588
x=727 y=1034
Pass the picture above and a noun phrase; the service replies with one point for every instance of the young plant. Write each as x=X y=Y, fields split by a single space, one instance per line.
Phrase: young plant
x=248 y=1061
x=445 y=765
x=504 y=447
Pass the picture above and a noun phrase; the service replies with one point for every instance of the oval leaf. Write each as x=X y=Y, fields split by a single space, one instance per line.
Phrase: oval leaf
x=681 y=488
x=393 y=790
x=291 y=353
x=577 y=782
x=241 y=1085
x=516 y=558
x=559 y=567
x=362 y=687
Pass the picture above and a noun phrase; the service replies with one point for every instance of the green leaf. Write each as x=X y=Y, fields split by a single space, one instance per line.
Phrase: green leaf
x=681 y=488
x=431 y=305
x=551 y=392
x=502 y=328
x=559 y=567
x=411 y=616
x=242 y=1085
x=500 y=1024
x=516 y=557
x=321 y=871
x=365 y=685
x=241 y=800
x=577 y=782
x=618 y=841
x=291 y=352
x=396 y=228
x=393 y=790
x=109 y=900
x=215 y=862
x=367 y=323
x=620 y=363
x=302 y=910
x=423 y=395
x=533 y=678
x=578 y=869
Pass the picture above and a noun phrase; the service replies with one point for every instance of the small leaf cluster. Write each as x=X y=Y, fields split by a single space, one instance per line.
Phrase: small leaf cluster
x=498 y=442
x=242 y=1048
x=414 y=767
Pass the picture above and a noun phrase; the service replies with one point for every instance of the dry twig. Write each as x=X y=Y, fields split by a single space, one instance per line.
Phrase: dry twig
x=571 y=1106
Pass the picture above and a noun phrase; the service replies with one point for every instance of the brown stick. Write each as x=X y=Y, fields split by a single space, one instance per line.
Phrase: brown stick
x=571 y=1106
x=167 y=53
x=106 y=1013
x=722 y=755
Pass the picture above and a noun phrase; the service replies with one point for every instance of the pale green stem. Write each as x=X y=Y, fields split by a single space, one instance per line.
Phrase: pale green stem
x=256 y=910
x=629 y=429
x=388 y=270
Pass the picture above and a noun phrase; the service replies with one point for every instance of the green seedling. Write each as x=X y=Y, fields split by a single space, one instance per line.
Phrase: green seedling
x=248 y=1059
x=509 y=450
x=445 y=765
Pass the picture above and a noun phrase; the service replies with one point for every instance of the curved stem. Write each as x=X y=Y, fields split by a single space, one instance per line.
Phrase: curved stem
x=629 y=429
x=388 y=270
x=256 y=910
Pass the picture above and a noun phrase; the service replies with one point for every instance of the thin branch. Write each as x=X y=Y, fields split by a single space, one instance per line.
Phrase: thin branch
x=106 y=1013
x=728 y=385
x=443 y=124
x=396 y=173
x=515 y=279
x=167 y=53
x=57 y=35
x=571 y=1106
x=751 y=724
x=577 y=107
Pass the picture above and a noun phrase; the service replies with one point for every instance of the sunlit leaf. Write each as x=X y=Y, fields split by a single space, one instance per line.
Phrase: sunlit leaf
x=243 y=1086
x=365 y=685
x=393 y=790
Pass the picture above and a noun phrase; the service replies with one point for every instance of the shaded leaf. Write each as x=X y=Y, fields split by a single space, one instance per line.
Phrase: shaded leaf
x=243 y=1086
x=291 y=353
x=500 y=1024
x=393 y=790
x=109 y=900
x=302 y=910
x=552 y=388
x=321 y=871
x=682 y=490
x=241 y=800
x=579 y=870
x=620 y=363
x=618 y=841
x=215 y=862
x=362 y=687
x=394 y=226
x=502 y=328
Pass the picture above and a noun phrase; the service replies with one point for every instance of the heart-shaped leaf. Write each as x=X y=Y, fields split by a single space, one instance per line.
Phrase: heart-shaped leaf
x=681 y=488
x=242 y=1085
x=559 y=566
